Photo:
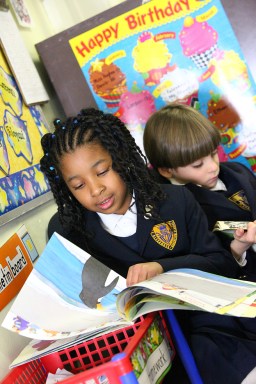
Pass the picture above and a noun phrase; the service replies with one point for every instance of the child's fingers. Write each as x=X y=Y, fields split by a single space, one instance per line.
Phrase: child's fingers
x=239 y=232
x=135 y=275
x=142 y=271
x=251 y=231
x=249 y=235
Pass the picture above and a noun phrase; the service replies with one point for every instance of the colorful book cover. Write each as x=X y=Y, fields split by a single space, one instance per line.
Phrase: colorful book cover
x=16 y=263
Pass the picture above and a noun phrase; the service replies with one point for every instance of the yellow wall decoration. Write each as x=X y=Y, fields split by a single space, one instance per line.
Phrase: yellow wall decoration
x=21 y=129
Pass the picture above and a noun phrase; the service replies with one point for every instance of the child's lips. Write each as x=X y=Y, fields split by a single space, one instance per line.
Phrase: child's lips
x=213 y=180
x=106 y=203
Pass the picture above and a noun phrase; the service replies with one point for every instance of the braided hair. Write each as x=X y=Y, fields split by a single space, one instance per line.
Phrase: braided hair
x=92 y=125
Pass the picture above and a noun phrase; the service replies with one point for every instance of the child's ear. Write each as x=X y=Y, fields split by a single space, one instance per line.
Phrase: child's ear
x=165 y=172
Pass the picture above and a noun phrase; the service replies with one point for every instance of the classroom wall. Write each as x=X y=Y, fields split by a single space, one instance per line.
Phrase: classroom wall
x=49 y=17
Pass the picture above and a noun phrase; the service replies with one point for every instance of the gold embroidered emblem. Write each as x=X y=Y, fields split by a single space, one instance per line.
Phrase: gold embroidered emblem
x=165 y=234
x=240 y=199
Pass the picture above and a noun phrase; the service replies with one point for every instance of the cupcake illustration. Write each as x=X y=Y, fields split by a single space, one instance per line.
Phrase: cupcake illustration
x=151 y=58
x=180 y=85
x=108 y=82
x=136 y=106
x=247 y=138
x=198 y=41
x=222 y=113
x=229 y=70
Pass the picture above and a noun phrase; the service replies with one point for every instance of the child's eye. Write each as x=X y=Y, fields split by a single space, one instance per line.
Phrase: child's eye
x=77 y=187
x=102 y=173
x=198 y=165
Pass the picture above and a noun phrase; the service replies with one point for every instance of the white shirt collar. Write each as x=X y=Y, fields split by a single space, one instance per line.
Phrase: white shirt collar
x=220 y=186
x=121 y=225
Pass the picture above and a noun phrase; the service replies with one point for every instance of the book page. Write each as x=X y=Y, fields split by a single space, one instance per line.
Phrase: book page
x=201 y=290
x=53 y=303
x=40 y=348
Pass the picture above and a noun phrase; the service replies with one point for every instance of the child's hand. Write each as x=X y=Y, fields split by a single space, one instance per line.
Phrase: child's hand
x=248 y=236
x=243 y=239
x=142 y=271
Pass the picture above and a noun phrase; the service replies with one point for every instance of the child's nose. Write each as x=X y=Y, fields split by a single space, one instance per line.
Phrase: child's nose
x=212 y=166
x=96 y=189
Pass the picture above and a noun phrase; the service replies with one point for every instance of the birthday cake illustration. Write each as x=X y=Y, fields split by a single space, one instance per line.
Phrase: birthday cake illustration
x=198 y=41
x=229 y=69
x=136 y=106
x=180 y=85
x=151 y=58
x=246 y=146
x=222 y=113
x=108 y=82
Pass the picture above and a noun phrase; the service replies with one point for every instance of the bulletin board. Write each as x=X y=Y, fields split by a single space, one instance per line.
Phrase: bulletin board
x=76 y=87
x=22 y=185
x=70 y=84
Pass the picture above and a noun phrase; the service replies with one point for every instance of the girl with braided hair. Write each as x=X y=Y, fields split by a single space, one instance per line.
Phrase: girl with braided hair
x=110 y=205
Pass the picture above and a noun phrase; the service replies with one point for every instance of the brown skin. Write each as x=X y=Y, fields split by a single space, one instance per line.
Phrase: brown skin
x=89 y=175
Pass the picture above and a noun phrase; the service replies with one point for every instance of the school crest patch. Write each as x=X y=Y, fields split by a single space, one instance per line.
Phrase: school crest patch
x=240 y=199
x=165 y=234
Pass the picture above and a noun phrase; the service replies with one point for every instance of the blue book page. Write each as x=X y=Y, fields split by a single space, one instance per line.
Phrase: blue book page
x=67 y=293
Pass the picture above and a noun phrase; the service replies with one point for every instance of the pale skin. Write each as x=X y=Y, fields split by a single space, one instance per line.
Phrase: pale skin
x=89 y=175
x=204 y=172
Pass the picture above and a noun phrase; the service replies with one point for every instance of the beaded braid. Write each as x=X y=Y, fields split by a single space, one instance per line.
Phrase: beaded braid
x=92 y=125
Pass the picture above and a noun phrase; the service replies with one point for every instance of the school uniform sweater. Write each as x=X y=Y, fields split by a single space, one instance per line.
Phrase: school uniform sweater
x=238 y=203
x=178 y=239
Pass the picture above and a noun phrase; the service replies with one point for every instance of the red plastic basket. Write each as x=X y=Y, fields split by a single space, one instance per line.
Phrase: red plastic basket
x=113 y=358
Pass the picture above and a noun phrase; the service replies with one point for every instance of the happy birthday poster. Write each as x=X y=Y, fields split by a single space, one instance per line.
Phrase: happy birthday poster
x=21 y=129
x=173 y=51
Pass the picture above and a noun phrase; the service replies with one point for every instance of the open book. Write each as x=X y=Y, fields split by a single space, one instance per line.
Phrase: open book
x=70 y=297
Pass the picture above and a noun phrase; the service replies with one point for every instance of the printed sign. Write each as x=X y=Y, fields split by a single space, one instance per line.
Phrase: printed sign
x=173 y=51
x=16 y=257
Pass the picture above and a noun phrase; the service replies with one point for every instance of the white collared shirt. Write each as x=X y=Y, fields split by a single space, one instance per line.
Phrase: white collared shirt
x=220 y=186
x=121 y=225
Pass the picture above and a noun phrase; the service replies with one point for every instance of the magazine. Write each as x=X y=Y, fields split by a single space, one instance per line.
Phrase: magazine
x=70 y=297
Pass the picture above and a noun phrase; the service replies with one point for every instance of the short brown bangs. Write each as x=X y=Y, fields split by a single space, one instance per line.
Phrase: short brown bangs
x=192 y=141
